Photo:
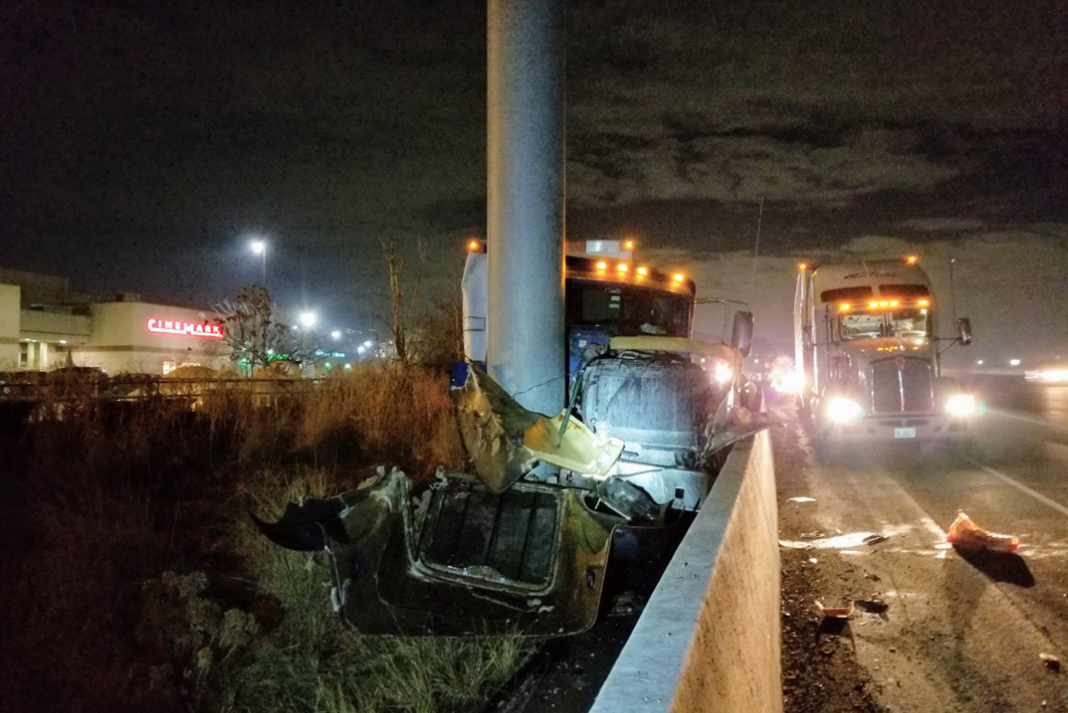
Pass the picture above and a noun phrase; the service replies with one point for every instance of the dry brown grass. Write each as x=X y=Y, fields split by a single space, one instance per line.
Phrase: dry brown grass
x=390 y=413
x=98 y=496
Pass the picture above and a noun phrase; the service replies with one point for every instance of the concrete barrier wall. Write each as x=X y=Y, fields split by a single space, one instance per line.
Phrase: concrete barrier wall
x=709 y=637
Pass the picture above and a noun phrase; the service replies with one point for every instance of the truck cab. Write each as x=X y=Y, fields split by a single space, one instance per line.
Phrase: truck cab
x=866 y=338
x=658 y=392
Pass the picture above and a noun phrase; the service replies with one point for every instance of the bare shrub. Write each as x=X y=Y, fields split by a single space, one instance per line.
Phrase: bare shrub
x=391 y=413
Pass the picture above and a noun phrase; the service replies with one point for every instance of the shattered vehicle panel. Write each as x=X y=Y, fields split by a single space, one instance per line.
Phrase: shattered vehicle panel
x=467 y=561
x=505 y=441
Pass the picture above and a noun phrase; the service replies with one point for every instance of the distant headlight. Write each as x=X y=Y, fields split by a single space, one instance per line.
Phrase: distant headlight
x=961 y=405
x=1055 y=375
x=840 y=409
x=723 y=372
x=788 y=382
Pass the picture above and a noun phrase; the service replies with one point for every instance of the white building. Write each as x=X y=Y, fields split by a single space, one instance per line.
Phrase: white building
x=42 y=326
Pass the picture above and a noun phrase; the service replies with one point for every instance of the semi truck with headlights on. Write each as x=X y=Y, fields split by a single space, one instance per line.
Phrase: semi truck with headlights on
x=866 y=343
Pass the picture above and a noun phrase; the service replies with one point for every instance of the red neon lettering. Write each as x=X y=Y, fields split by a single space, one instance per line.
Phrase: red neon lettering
x=193 y=329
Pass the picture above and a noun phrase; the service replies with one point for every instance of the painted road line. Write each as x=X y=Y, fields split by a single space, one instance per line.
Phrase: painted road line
x=1021 y=487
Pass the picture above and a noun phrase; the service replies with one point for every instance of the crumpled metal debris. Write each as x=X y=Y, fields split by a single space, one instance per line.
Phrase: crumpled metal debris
x=628 y=499
x=533 y=557
x=505 y=441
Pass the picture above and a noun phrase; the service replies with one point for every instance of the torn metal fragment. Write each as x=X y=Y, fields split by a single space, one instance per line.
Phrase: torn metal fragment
x=628 y=499
x=532 y=558
x=505 y=441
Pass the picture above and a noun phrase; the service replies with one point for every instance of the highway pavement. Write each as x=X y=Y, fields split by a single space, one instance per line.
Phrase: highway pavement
x=960 y=632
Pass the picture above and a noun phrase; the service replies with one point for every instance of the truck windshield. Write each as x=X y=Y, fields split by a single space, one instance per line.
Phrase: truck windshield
x=897 y=323
x=623 y=310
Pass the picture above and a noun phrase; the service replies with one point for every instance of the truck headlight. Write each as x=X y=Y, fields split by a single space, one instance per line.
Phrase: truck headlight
x=840 y=409
x=961 y=405
x=722 y=372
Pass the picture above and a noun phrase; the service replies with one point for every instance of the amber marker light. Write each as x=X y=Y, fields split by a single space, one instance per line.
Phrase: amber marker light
x=602 y=265
x=642 y=271
x=678 y=277
x=474 y=246
x=911 y=259
x=893 y=303
x=622 y=267
x=802 y=267
x=629 y=245
x=843 y=308
x=873 y=304
x=923 y=303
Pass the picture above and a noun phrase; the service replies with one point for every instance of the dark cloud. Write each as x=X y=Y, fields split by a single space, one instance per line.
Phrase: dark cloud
x=141 y=142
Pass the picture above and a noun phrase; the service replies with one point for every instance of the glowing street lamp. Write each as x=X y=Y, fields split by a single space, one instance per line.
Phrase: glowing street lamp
x=336 y=334
x=307 y=319
x=260 y=248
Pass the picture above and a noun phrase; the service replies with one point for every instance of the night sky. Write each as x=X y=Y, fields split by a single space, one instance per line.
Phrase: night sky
x=143 y=143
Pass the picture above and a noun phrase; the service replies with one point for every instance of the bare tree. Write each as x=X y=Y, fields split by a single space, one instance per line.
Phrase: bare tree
x=398 y=327
x=252 y=331
x=437 y=336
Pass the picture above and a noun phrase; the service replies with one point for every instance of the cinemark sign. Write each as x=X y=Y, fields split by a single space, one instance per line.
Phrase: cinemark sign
x=192 y=329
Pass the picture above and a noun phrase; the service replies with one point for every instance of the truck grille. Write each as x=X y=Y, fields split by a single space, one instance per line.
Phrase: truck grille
x=902 y=385
x=658 y=403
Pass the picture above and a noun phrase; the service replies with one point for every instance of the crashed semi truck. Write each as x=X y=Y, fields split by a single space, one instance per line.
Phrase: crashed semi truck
x=866 y=346
x=551 y=502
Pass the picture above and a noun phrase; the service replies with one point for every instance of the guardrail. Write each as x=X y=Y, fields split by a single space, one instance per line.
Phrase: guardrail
x=709 y=637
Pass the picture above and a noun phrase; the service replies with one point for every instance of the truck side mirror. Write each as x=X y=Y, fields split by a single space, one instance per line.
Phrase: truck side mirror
x=742 y=332
x=964 y=331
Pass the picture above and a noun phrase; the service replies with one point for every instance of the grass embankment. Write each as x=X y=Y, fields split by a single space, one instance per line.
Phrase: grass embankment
x=129 y=579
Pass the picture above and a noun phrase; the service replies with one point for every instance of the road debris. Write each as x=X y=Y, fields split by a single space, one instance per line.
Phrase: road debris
x=1052 y=662
x=836 y=610
x=821 y=540
x=966 y=535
